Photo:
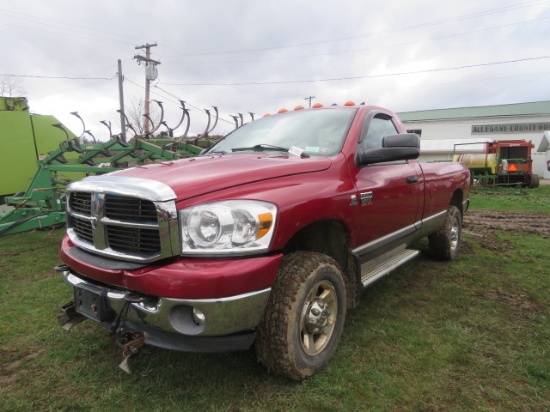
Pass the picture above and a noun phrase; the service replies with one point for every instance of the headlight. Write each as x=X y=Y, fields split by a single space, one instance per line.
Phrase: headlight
x=227 y=227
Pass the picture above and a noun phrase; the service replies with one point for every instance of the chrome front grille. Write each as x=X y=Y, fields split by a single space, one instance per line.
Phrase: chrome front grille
x=81 y=203
x=130 y=209
x=123 y=218
x=133 y=240
x=82 y=228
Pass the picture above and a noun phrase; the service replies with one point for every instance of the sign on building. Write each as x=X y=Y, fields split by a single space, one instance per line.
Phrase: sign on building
x=510 y=128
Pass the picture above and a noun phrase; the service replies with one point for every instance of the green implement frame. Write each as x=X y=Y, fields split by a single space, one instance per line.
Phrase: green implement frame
x=43 y=203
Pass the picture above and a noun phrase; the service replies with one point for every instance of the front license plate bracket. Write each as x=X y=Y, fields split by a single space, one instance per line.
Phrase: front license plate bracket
x=91 y=301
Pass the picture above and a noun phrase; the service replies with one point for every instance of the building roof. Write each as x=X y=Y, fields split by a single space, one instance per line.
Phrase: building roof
x=504 y=110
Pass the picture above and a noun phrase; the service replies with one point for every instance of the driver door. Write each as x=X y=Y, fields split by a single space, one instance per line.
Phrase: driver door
x=388 y=194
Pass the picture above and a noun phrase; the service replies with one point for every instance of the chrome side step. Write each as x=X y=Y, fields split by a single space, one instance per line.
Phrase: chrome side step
x=384 y=264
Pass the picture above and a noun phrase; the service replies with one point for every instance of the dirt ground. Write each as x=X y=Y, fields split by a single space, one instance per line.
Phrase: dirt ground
x=483 y=222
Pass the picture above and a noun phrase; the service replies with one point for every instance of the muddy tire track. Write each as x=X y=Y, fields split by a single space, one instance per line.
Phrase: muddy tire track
x=480 y=222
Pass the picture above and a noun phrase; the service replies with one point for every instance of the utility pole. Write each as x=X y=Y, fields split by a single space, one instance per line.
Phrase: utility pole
x=310 y=98
x=121 y=99
x=150 y=74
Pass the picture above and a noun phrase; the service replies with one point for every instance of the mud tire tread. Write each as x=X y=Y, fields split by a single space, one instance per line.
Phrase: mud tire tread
x=275 y=346
x=440 y=241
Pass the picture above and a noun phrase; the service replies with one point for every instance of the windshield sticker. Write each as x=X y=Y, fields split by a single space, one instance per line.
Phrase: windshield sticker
x=296 y=151
x=312 y=149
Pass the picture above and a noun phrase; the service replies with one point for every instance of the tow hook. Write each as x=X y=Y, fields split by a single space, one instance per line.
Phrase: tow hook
x=68 y=317
x=131 y=343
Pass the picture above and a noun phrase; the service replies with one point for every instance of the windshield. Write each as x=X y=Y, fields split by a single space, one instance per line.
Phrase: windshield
x=315 y=132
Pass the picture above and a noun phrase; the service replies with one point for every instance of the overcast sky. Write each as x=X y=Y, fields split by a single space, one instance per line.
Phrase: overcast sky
x=262 y=55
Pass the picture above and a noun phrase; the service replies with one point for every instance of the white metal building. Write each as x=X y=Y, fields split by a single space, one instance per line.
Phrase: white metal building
x=443 y=131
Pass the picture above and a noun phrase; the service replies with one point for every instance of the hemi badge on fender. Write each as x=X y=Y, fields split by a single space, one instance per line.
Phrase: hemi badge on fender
x=366 y=197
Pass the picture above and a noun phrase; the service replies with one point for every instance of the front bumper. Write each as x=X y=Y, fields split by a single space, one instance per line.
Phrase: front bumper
x=195 y=325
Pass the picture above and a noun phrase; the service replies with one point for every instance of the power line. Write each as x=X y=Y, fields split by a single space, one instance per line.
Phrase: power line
x=173 y=98
x=392 y=30
x=56 y=77
x=60 y=27
x=378 y=46
x=187 y=103
x=385 y=88
x=362 y=77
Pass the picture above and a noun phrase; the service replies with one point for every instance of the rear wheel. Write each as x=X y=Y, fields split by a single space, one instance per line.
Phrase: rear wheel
x=304 y=317
x=534 y=181
x=445 y=243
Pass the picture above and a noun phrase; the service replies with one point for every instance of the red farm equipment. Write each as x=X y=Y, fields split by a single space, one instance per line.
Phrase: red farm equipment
x=502 y=163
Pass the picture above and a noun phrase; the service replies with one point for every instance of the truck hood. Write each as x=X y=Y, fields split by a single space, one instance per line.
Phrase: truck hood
x=201 y=175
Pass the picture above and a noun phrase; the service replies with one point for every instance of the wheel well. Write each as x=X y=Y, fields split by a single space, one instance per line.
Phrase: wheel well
x=456 y=200
x=330 y=237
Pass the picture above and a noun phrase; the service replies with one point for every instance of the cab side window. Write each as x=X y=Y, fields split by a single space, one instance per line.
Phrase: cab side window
x=379 y=126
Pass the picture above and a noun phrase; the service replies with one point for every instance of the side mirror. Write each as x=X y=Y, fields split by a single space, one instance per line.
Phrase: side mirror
x=401 y=140
x=394 y=147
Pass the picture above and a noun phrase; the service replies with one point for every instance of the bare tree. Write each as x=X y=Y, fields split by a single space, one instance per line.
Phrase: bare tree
x=11 y=87
x=135 y=115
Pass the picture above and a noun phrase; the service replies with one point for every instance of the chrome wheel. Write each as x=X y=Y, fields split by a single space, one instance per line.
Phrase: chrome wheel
x=304 y=317
x=318 y=318
x=455 y=233
x=445 y=243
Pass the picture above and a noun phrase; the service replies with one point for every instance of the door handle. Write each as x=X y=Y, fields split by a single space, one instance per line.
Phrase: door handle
x=412 y=179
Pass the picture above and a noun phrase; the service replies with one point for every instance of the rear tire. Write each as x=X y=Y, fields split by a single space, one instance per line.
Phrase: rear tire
x=534 y=181
x=444 y=243
x=304 y=318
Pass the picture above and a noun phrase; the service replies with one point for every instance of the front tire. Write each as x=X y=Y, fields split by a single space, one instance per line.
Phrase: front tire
x=444 y=243
x=304 y=318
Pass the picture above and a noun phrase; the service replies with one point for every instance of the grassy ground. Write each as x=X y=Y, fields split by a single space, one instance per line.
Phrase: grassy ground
x=527 y=200
x=473 y=334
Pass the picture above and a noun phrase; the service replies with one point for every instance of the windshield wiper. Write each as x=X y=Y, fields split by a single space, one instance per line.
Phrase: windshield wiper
x=260 y=148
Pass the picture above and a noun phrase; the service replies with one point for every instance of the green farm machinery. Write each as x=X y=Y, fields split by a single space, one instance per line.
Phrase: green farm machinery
x=42 y=204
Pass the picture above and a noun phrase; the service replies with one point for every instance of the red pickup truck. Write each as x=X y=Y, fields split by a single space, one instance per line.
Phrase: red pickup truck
x=267 y=238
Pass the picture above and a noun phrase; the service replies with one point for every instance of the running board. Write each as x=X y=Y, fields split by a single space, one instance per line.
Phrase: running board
x=384 y=264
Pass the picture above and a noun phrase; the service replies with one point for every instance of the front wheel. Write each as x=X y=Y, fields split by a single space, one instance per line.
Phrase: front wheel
x=445 y=242
x=304 y=318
